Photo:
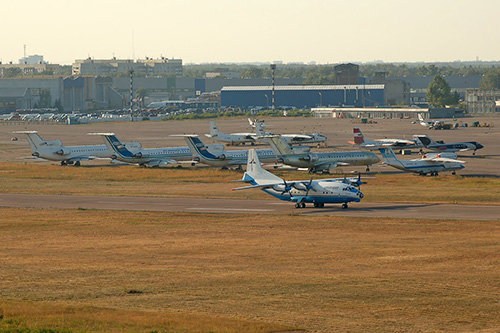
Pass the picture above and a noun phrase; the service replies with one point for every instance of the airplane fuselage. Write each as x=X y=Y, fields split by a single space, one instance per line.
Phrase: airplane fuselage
x=312 y=160
x=321 y=192
x=453 y=147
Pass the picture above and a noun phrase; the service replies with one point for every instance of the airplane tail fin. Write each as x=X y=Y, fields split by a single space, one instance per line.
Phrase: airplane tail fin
x=279 y=145
x=198 y=148
x=389 y=157
x=425 y=140
x=36 y=142
x=358 y=136
x=115 y=145
x=256 y=174
x=214 y=130
x=259 y=130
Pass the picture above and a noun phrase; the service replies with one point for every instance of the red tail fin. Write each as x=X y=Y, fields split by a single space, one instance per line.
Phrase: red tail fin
x=358 y=136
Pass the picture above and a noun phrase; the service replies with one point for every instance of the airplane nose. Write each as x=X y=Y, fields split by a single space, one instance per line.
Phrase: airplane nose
x=479 y=146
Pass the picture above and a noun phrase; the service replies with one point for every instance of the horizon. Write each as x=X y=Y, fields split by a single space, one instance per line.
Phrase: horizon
x=225 y=31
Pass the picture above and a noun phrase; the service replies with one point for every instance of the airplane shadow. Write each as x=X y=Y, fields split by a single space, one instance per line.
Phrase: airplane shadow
x=374 y=208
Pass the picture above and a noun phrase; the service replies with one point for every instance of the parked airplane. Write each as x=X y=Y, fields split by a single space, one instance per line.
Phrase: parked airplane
x=448 y=147
x=254 y=121
x=318 y=192
x=229 y=157
x=232 y=138
x=431 y=123
x=291 y=139
x=323 y=162
x=153 y=157
x=360 y=141
x=430 y=163
x=55 y=150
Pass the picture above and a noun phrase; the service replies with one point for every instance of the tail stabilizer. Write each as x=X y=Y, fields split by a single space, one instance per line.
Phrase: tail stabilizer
x=115 y=145
x=36 y=142
x=198 y=148
x=259 y=129
x=358 y=136
x=279 y=145
x=214 y=130
x=389 y=157
x=256 y=174
x=425 y=140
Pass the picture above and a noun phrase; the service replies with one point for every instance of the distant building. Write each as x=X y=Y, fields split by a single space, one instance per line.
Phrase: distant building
x=148 y=66
x=32 y=60
x=222 y=73
x=6 y=70
x=304 y=96
x=346 y=74
x=483 y=100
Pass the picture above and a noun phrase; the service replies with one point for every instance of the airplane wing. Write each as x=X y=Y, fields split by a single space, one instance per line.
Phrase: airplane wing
x=445 y=160
x=81 y=158
x=160 y=162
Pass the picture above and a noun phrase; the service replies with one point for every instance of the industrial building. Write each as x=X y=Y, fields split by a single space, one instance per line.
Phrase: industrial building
x=148 y=66
x=304 y=96
x=483 y=100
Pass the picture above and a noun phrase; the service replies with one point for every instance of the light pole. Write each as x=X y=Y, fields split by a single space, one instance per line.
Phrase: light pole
x=267 y=101
x=273 y=68
x=320 y=99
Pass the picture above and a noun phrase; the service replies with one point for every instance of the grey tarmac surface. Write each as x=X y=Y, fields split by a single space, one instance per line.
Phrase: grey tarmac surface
x=201 y=205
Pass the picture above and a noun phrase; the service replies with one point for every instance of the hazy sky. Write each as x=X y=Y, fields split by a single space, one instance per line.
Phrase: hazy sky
x=200 y=31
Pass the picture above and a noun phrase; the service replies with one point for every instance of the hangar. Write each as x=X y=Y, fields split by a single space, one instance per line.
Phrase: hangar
x=305 y=96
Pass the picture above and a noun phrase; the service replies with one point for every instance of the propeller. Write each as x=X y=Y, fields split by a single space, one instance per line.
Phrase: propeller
x=286 y=189
x=309 y=186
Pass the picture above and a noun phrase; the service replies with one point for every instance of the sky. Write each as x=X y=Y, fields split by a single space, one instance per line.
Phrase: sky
x=239 y=31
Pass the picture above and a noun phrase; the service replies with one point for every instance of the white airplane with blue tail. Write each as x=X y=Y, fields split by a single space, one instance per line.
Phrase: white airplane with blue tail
x=319 y=192
x=153 y=157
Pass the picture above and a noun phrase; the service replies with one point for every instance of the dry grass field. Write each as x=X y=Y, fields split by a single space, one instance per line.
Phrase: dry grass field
x=214 y=183
x=88 y=270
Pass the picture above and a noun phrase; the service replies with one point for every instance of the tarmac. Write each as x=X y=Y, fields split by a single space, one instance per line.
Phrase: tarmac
x=202 y=205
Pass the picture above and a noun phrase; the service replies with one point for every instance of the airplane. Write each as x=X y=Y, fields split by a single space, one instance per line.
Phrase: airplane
x=430 y=163
x=428 y=143
x=360 y=141
x=232 y=157
x=318 y=192
x=55 y=150
x=232 y=138
x=436 y=124
x=254 y=121
x=291 y=139
x=323 y=162
x=153 y=157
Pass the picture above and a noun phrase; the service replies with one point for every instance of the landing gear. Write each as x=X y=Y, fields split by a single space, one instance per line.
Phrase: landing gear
x=300 y=205
x=63 y=162
x=77 y=163
x=345 y=206
x=367 y=168
x=453 y=173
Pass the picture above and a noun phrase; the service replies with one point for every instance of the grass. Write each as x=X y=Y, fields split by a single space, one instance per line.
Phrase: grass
x=89 y=270
x=205 y=182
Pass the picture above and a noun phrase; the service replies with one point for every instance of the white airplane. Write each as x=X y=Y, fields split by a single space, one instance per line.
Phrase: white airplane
x=317 y=162
x=232 y=138
x=428 y=143
x=153 y=157
x=254 y=121
x=224 y=159
x=359 y=140
x=429 y=164
x=335 y=190
x=291 y=139
x=55 y=150
x=429 y=123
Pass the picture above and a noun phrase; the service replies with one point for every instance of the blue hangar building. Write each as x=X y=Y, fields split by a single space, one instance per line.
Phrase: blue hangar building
x=305 y=96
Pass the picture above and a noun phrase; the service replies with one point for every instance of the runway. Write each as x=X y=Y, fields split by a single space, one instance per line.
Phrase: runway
x=272 y=206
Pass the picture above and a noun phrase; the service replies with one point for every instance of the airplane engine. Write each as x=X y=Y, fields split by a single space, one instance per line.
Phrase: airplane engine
x=114 y=157
x=53 y=143
x=138 y=154
x=222 y=157
x=196 y=159
x=36 y=154
x=63 y=151
x=309 y=158
x=133 y=145
x=280 y=161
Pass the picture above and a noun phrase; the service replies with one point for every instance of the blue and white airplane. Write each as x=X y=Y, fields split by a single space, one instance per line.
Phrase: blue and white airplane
x=431 y=163
x=154 y=157
x=319 y=192
x=54 y=150
x=202 y=154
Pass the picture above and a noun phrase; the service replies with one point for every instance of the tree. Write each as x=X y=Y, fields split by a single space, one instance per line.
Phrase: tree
x=45 y=99
x=491 y=80
x=439 y=93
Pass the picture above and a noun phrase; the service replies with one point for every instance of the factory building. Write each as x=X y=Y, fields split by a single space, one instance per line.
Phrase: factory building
x=304 y=96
